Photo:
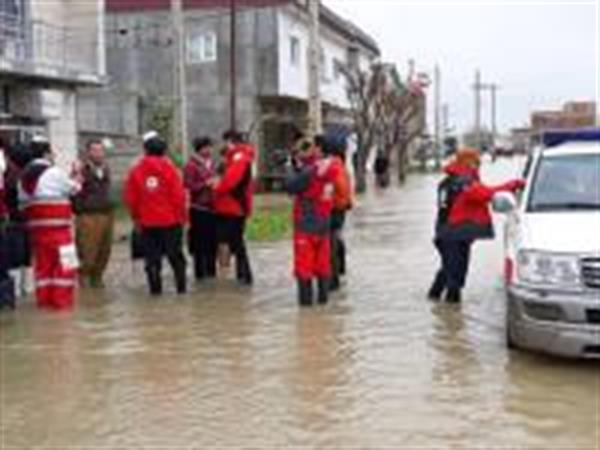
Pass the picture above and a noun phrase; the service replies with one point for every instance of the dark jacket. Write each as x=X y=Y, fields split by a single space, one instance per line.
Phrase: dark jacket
x=95 y=195
x=313 y=186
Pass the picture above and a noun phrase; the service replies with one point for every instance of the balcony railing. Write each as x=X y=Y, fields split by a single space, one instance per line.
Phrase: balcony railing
x=38 y=48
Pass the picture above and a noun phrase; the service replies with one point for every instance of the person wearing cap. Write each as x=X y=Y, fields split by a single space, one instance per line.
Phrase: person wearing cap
x=155 y=197
x=94 y=207
x=45 y=192
x=463 y=217
x=198 y=172
x=233 y=193
x=312 y=185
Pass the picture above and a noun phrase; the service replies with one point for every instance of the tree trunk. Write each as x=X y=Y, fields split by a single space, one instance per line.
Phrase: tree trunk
x=402 y=163
x=360 y=173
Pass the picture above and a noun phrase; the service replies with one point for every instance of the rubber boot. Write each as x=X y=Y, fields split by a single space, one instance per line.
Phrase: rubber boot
x=305 y=293
x=437 y=288
x=155 y=281
x=243 y=270
x=453 y=296
x=324 y=284
x=181 y=280
x=8 y=296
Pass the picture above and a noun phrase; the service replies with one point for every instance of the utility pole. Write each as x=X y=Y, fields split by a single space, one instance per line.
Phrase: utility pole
x=437 y=124
x=314 y=71
x=180 y=79
x=477 y=88
x=232 y=63
x=493 y=90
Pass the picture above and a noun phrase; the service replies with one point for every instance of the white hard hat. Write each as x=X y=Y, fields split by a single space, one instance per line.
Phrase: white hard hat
x=150 y=135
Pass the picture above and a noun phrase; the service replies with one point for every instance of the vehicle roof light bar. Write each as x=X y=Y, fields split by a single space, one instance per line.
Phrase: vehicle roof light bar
x=553 y=138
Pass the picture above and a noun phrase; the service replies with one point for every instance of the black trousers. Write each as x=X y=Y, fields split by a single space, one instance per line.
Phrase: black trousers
x=4 y=265
x=338 y=246
x=455 y=256
x=203 y=243
x=159 y=243
x=230 y=231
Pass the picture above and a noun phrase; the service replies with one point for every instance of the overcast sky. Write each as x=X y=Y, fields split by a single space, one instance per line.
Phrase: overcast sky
x=541 y=53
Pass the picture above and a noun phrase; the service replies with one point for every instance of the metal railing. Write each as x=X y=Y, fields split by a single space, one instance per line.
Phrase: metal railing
x=41 y=45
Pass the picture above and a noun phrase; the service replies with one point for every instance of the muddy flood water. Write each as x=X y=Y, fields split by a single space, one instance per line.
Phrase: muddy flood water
x=225 y=367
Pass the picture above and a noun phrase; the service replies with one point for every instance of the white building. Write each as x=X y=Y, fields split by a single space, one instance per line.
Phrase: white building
x=48 y=50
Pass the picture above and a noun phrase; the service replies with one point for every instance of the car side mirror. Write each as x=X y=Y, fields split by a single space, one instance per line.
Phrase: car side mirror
x=504 y=202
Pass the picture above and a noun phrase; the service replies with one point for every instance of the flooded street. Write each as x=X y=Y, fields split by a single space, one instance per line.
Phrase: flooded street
x=227 y=367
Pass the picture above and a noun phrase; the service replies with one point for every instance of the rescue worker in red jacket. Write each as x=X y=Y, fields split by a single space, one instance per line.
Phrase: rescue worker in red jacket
x=155 y=197
x=334 y=147
x=312 y=184
x=45 y=192
x=233 y=201
x=463 y=217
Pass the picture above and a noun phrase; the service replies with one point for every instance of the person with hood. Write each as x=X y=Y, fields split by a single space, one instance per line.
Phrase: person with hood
x=45 y=192
x=233 y=201
x=199 y=170
x=94 y=207
x=463 y=217
x=155 y=197
x=312 y=185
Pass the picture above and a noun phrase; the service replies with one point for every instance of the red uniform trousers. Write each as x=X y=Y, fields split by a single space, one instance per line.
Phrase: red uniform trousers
x=312 y=256
x=54 y=285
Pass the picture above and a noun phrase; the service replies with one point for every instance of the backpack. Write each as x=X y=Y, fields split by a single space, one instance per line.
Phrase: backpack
x=448 y=191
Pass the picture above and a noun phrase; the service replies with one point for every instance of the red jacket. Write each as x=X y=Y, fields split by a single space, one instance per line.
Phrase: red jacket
x=154 y=193
x=469 y=216
x=234 y=191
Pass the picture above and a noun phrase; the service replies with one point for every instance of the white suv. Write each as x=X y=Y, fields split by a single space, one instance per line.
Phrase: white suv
x=552 y=248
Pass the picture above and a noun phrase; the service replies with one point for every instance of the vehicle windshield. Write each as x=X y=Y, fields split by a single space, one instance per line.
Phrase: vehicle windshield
x=569 y=182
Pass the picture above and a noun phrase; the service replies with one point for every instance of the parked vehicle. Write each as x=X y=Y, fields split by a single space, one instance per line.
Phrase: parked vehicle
x=552 y=248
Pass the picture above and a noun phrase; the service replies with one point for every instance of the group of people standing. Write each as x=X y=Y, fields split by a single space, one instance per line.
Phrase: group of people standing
x=220 y=202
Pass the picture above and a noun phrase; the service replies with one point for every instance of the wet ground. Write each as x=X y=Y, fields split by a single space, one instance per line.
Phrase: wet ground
x=225 y=367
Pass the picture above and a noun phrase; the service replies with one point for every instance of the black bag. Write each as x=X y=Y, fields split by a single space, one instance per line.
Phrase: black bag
x=7 y=293
x=18 y=246
x=137 y=245
x=448 y=190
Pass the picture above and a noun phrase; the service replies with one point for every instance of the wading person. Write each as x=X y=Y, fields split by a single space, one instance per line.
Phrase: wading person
x=94 y=208
x=199 y=171
x=463 y=217
x=45 y=193
x=334 y=147
x=233 y=201
x=312 y=185
x=7 y=287
x=155 y=197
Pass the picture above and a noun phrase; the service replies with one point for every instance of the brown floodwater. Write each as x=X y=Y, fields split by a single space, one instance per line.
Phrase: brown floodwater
x=225 y=367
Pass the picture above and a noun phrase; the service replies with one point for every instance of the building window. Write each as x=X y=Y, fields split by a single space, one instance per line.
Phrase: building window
x=4 y=102
x=295 y=51
x=201 y=47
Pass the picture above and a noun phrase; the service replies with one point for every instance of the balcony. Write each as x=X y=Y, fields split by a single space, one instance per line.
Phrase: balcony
x=40 y=51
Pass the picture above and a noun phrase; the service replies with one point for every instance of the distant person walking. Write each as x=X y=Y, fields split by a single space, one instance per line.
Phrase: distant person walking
x=155 y=197
x=199 y=171
x=463 y=217
x=94 y=207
